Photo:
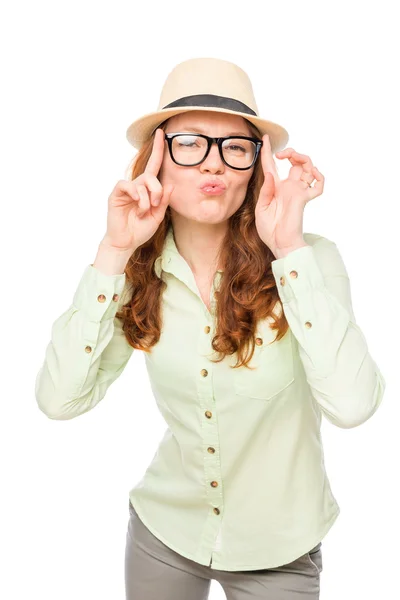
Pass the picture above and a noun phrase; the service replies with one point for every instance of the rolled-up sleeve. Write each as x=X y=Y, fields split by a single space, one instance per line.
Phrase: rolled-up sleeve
x=87 y=350
x=314 y=289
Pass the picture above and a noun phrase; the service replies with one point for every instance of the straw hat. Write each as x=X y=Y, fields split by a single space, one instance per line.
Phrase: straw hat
x=206 y=84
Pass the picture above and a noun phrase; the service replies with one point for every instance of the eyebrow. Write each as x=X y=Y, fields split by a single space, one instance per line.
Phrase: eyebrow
x=200 y=130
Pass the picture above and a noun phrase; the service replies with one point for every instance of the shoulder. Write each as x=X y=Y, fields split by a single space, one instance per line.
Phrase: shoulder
x=320 y=243
x=326 y=253
x=315 y=239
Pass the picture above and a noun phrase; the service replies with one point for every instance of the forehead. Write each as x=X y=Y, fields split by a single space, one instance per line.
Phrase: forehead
x=217 y=123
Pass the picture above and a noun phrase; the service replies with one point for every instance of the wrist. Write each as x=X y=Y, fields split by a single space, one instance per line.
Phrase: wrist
x=111 y=260
x=285 y=250
x=115 y=250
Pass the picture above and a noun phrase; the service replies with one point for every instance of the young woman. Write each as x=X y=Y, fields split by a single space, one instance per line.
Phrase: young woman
x=249 y=337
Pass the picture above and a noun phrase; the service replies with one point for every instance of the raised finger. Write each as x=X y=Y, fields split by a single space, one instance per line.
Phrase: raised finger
x=267 y=160
x=144 y=201
x=156 y=157
x=154 y=186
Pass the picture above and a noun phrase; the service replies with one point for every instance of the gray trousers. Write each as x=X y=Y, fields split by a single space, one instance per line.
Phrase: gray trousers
x=153 y=571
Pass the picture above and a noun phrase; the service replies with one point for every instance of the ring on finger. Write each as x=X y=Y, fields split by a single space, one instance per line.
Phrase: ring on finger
x=307 y=180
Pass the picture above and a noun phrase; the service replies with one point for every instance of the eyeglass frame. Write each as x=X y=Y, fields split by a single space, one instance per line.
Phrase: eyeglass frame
x=214 y=140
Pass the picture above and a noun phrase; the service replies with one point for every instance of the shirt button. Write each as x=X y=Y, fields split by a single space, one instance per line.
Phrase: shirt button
x=214 y=484
x=259 y=341
x=216 y=510
x=293 y=274
x=282 y=280
x=207 y=329
x=204 y=372
x=211 y=450
x=208 y=414
x=101 y=298
x=115 y=297
x=88 y=349
x=308 y=324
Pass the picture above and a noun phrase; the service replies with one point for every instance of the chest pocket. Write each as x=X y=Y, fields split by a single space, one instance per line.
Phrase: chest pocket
x=273 y=366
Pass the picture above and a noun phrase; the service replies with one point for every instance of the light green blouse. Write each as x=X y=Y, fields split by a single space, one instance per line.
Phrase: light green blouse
x=238 y=481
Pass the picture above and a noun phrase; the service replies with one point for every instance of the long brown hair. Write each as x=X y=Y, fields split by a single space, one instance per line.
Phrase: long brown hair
x=247 y=289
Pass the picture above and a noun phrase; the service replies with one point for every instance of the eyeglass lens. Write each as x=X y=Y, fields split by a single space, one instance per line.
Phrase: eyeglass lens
x=191 y=149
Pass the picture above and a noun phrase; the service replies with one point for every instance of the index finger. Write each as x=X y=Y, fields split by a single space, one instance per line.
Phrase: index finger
x=156 y=157
x=267 y=161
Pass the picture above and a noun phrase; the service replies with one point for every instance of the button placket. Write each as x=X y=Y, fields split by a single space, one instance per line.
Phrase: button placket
x=212 y=466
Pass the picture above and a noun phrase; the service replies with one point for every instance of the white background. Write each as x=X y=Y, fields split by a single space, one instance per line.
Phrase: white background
x=74 y=76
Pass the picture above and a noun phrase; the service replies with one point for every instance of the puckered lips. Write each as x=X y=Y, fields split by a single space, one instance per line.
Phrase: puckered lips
x=213 y=186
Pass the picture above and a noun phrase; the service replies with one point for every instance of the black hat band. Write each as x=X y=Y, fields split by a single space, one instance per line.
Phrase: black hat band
x=212 y=100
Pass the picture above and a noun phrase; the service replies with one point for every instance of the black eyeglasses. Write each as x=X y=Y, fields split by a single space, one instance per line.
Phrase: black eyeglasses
x=189 y=149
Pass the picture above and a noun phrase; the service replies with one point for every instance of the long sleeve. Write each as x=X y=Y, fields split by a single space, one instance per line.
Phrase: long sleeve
x=87 y=350
x=314 y=288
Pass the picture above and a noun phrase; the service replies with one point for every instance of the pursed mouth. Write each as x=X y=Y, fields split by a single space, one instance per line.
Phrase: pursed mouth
x=213 y=185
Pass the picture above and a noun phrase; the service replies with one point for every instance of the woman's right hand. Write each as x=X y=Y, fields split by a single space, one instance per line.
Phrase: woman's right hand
x=136 y=208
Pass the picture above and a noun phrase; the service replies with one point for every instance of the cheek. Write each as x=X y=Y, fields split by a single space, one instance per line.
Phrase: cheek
x=184 y=181
x=239 y=187
x=171 y=173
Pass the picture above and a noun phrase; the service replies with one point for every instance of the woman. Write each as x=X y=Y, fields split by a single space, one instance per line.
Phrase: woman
x=249 y=337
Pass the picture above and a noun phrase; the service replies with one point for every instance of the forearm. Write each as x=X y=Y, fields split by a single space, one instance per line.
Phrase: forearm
x=314 y=288
x=88 y=349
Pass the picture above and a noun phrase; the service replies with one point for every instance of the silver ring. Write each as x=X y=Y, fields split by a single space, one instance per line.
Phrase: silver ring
x=309 y=184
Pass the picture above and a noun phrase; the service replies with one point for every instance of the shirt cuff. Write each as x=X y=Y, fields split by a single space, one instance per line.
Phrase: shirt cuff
x=97 y=294
x=296 y=273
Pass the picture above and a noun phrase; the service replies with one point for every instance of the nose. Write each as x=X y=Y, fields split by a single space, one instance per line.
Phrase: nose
x=213 y=161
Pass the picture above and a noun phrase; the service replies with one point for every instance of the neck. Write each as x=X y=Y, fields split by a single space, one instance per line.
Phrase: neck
x=198 y=243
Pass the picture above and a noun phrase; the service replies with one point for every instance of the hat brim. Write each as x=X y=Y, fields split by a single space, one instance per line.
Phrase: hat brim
x=140 y=130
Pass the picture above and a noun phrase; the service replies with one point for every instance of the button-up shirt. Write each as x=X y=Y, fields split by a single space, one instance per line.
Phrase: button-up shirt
x=238 y=481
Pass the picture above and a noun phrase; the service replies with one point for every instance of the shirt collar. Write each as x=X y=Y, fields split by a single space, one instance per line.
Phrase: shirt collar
x=171 y=261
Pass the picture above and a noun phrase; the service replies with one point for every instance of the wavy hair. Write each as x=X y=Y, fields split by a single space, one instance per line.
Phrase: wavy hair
x=247 y=291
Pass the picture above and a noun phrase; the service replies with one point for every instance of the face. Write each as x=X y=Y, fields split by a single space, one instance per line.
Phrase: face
x=187 y=198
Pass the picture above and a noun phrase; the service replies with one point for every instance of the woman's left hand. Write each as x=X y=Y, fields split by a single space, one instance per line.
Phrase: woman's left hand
x=280 y=205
